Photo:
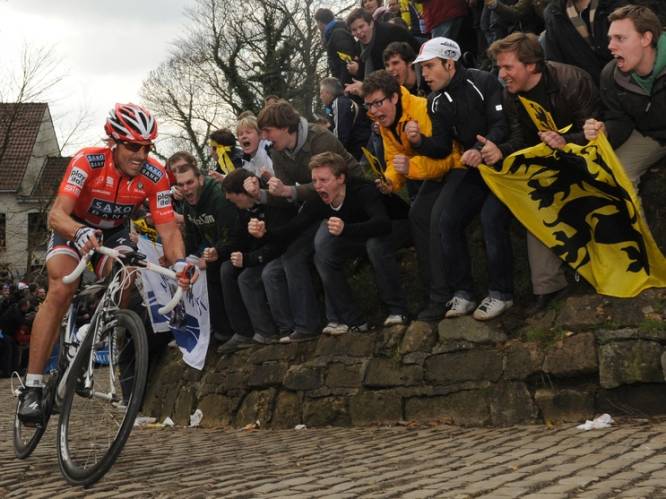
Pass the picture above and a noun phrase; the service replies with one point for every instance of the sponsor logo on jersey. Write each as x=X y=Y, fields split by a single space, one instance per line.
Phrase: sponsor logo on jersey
x=151 y=172
x=77 y=177
x=73 y=189
x=163 y=199
x=95 y=160
x=139 y=186
x=109 y=210
x=109 y=181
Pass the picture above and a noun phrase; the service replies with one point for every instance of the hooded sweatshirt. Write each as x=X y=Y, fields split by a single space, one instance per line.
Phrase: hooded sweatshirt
x=209 y=222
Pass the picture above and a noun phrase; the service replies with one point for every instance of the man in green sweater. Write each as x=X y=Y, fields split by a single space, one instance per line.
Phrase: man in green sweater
x=209 y=218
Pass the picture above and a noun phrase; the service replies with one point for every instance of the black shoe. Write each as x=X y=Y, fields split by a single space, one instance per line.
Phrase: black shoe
x=543 y=301
x=31 y=411
x=221 y=337
x=237 y=342
x=433 y=312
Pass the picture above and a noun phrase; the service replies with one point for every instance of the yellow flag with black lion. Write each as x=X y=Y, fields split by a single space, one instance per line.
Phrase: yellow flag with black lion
x=579 y=202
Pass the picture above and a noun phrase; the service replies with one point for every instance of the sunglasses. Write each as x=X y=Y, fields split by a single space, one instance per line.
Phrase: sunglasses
x=134 y=147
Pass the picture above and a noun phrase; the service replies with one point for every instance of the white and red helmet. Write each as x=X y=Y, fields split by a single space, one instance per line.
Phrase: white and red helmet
x=131 y=123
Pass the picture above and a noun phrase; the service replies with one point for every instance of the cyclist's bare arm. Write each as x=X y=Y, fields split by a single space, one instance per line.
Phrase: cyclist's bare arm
x=172 y=240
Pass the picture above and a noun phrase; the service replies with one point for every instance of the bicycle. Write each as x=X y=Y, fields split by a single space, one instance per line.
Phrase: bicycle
x=98 y=384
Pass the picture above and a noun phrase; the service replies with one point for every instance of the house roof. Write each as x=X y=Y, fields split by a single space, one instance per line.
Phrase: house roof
x=52 y=172
x=19 y=127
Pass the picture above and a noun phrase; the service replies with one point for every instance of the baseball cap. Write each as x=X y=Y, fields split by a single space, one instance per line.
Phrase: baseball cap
x=441 y=47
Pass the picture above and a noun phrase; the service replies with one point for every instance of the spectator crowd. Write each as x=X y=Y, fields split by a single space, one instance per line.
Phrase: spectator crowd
x=18 y=303
x=419 y=95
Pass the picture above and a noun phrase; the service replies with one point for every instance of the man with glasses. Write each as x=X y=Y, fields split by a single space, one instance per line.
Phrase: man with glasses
x=401 y=115
x=101 y=188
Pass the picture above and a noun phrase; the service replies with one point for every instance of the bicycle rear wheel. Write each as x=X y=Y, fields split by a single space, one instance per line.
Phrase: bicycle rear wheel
x=96 y=418
x=26 y=438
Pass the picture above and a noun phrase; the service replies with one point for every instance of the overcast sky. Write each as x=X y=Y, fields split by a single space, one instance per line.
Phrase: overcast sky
x=105 y=49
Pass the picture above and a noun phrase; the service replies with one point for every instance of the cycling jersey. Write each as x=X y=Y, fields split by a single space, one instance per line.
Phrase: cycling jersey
x=105 y=197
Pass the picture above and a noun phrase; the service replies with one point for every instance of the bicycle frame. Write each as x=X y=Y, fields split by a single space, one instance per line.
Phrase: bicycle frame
x=100 y=322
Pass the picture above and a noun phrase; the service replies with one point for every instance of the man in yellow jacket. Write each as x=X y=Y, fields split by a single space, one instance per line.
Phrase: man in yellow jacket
x=399 y=115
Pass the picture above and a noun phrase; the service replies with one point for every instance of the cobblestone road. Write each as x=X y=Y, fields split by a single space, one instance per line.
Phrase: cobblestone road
x=627 y=460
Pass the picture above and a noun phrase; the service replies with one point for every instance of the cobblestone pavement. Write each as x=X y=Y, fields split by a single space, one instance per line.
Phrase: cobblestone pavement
x=627 y=460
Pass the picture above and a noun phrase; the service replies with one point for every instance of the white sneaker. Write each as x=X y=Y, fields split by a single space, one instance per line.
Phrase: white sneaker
x=458 y=306
x=335 y=329
x=395 y=320
x=344 y=329
x=491 y=308
x=330 y=327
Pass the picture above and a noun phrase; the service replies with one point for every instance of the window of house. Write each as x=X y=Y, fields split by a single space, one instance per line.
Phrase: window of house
x=37 y=232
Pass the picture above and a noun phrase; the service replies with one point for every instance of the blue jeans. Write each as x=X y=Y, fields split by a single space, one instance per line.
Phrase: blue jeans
x=219 y=323
x=331 y=252
x=448 y=29
x=425 y=234
x=289 y=286
x=465 y=195
x=244 y=292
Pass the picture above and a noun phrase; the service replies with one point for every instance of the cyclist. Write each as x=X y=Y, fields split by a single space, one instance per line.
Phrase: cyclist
x=99 y=191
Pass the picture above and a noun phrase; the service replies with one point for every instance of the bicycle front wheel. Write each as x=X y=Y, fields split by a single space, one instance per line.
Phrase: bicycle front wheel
x=103 y=397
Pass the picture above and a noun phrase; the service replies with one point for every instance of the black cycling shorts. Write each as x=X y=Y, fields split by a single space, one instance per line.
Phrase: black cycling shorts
x=117 y=238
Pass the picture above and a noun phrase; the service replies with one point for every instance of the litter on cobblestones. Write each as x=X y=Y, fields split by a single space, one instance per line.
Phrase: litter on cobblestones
x=195 y=418
x=168 y=422
x=252 y=426
x=144 y=420
x=603 y=421
x=300 y=427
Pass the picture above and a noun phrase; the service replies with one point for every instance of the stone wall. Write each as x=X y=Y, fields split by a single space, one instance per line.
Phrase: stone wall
x=587 y=355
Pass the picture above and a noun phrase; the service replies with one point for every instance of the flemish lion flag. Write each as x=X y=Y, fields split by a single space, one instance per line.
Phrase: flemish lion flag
x=580 y=203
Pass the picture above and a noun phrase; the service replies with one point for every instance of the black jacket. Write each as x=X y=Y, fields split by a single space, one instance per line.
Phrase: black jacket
x=373 y=53
x=471 y=105
x=629 y=107
x=258 y=251
x=564 y=44
x=571 y=98
x=363 y=212
x=338 y=39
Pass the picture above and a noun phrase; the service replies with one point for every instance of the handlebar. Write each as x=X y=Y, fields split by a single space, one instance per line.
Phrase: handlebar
x=115 y=254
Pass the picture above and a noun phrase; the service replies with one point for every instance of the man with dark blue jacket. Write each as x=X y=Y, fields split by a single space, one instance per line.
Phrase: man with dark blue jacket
x=339 y=43
x=351 y=125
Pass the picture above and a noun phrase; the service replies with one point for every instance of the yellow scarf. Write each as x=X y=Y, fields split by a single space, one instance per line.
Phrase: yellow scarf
x=223 y=158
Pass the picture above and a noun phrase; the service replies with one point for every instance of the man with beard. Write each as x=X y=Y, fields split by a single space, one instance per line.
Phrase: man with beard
x=568 y=93
x=209 y=218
